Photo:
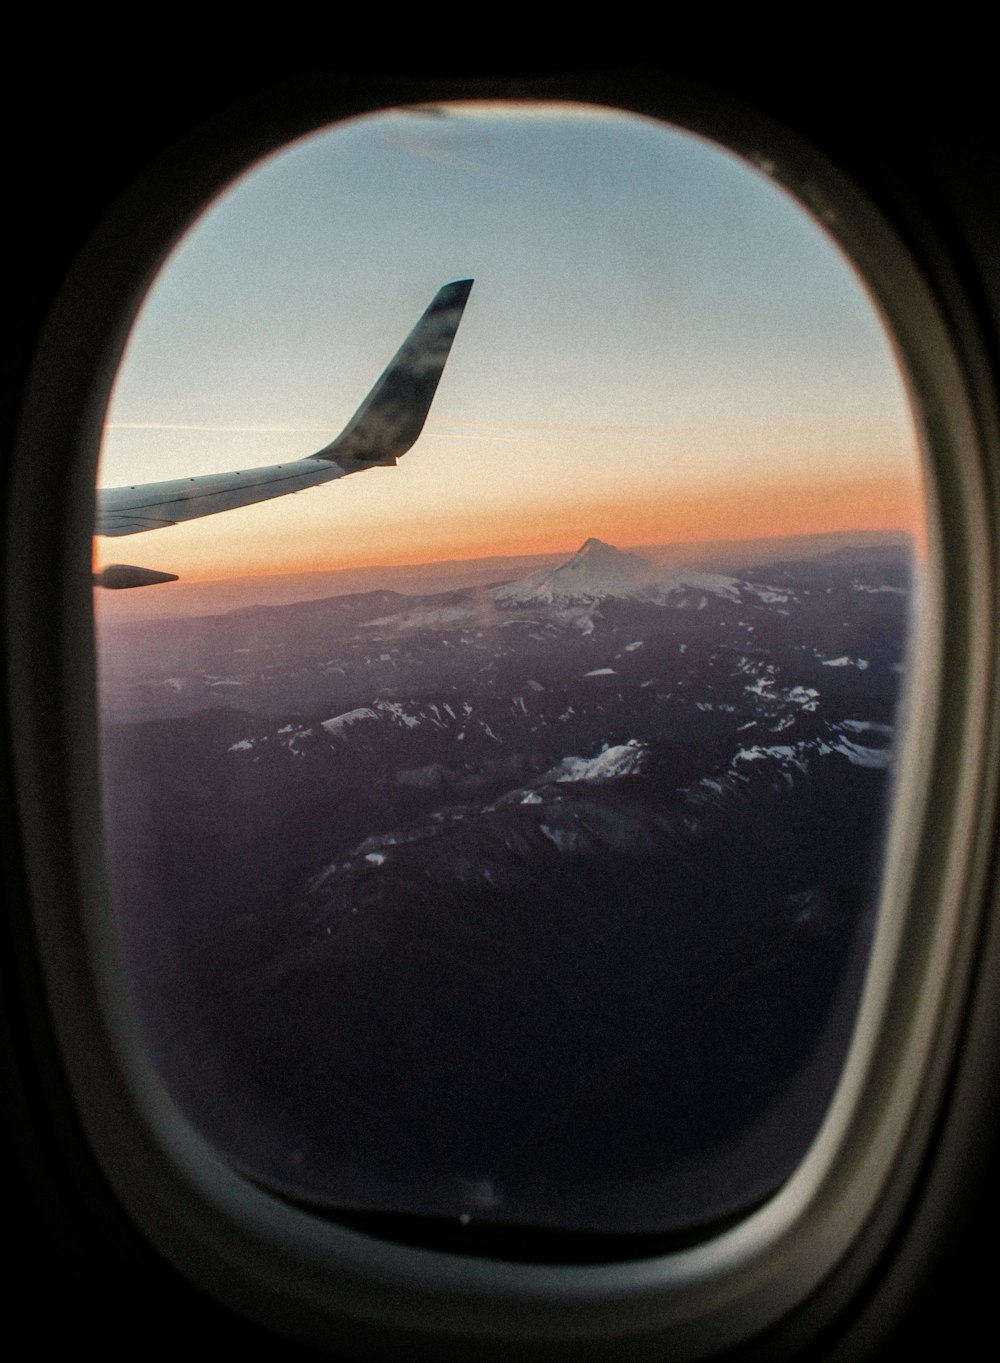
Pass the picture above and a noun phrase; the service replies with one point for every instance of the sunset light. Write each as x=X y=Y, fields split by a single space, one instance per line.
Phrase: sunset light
x=498 y=747
x=661 y=348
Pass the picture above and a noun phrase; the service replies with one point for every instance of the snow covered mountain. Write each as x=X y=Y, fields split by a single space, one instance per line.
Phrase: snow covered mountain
x=598 y=571
x=469 y=871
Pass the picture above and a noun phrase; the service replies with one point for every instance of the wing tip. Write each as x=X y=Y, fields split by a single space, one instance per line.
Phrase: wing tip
x=453 y=294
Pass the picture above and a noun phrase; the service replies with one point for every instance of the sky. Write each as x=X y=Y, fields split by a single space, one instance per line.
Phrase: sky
x=661 y=346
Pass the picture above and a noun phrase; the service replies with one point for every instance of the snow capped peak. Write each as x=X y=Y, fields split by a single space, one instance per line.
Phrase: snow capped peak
x=595 y=570
x=599 y=570
x=594 y=549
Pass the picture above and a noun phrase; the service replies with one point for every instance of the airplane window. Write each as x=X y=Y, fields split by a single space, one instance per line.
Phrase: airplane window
x=495 y=837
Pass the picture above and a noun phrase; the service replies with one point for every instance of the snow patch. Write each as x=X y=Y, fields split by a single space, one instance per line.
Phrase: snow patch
x=805 y=696
x=562 y=838
x=339 y=723
x=625 y=759
x=860 y=756
x=680 y=581
x=781 y=752
x=860 y=726
x=393 y=708
x=860 y=663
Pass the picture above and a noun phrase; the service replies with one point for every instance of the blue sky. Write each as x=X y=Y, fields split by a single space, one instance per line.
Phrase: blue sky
x=653 y=322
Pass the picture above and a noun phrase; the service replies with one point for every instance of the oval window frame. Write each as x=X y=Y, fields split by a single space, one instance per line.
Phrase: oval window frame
x=275 y=1262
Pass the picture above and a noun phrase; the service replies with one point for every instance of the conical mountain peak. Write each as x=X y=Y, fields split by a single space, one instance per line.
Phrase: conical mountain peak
x=596 y=570
x=595 y=548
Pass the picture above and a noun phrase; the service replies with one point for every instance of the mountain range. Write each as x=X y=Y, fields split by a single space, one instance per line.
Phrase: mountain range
x=543 y=902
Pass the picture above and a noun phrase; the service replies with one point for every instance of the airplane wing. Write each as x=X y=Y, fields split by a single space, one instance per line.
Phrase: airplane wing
x=384 y=427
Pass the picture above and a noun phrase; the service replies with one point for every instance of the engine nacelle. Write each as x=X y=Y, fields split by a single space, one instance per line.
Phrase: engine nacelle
x=118 y=576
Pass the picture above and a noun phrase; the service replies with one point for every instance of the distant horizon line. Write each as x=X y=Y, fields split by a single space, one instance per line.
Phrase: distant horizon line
x=212 y=596
x=888 y=535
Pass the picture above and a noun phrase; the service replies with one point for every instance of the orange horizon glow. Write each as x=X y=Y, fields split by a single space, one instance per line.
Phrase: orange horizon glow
x=775 y=508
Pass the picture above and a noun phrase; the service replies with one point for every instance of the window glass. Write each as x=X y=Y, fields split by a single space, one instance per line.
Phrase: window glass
x=496 y=836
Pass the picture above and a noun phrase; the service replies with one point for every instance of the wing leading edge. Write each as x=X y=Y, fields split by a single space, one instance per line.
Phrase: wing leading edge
x=383 y=428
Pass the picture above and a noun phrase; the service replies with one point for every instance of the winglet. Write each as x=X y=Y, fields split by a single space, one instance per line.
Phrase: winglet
x=392 y=415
